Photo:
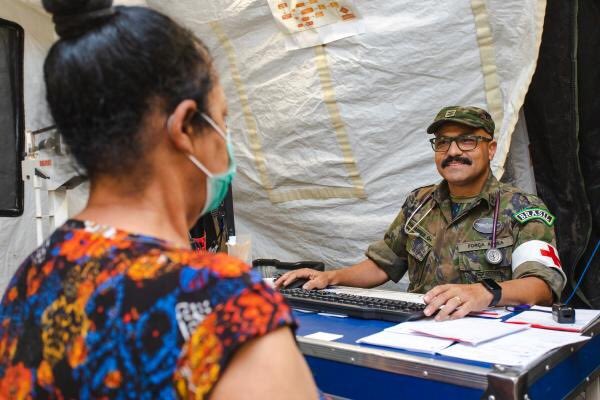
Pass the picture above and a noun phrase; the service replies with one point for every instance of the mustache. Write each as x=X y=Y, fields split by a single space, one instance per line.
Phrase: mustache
x=462 y=160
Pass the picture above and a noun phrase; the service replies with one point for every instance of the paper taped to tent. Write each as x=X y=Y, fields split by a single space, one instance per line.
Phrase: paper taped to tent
x=328 y=103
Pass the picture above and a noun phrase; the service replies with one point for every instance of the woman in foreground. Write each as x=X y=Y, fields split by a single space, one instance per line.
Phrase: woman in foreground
x=114 y=304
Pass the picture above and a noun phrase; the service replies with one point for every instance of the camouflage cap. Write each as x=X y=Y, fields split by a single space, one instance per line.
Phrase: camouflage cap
x=472 y=116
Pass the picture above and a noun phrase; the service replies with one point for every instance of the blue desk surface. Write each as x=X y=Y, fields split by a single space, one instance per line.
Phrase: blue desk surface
x=360 y=382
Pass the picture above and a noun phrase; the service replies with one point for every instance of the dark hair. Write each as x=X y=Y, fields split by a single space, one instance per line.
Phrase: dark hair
x=108 y=69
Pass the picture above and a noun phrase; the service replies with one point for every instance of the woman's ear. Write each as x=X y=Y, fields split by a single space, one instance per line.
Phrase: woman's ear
x=179 y=126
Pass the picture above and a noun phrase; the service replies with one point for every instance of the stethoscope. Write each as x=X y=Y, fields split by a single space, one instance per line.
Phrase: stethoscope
x=492 y=255
x=411 y=231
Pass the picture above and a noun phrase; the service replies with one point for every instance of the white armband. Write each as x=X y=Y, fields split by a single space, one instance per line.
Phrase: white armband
x=537 y=251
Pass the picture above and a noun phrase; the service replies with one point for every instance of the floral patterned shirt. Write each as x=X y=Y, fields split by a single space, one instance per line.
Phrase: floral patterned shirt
x=97 y=312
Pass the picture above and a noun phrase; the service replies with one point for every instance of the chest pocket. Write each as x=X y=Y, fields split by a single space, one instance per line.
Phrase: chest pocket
x=473 y=265
x=418 y=247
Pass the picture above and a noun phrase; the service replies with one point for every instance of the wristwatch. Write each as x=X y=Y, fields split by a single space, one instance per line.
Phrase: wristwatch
x=495 y=289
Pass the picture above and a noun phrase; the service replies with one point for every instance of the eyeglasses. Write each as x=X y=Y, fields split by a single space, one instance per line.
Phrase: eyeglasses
x=464 y=143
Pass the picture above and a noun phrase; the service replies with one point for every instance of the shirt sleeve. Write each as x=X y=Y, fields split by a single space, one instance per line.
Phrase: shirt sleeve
x=389 y=253
x=534 y=252
x=255 y=312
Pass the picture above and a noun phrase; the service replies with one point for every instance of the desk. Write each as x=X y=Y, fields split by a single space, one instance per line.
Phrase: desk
x=346 y=369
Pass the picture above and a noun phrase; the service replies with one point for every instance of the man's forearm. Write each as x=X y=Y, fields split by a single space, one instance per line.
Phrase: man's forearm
x=364 y=274
x=529 y=290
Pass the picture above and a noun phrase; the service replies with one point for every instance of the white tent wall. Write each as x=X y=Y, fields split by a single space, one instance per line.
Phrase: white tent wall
x=330 y=139
x=17 y=235
x=304 y=121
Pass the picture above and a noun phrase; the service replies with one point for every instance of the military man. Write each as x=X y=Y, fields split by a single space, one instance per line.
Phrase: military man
x=468 y=242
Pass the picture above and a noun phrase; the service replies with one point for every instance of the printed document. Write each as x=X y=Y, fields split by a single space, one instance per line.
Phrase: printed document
x=407 y=341
x=467 y=330
x=518 y=349
x=543 y=319
x=308 y=23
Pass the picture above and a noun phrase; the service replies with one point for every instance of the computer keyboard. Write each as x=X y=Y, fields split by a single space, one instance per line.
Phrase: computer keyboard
x=353 y=305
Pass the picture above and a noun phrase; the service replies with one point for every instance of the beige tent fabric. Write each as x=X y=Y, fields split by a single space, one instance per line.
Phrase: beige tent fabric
x=388 y=83
x=329 y=140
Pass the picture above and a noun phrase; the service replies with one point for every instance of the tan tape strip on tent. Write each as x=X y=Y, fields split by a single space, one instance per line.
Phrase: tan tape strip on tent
x=521 y=91
x=337 y=122
x=491 y=82
x=251 y=128
x=317 y=193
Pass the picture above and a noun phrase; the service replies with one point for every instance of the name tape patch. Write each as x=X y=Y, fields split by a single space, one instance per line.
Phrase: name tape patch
x=528 y=214
x=484 y=244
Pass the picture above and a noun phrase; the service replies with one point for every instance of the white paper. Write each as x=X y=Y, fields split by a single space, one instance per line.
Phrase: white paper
x=240 y=246
x=492 y=313
x=270 y=282
x=414 y=342
x=333 y=315
x=324 y=336
x=468 y=330
x=540 y=319
x=308 y=23
x=403 y=328
x=518 y=349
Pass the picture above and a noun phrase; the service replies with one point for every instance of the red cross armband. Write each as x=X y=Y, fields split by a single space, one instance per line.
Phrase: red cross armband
x=538 y=251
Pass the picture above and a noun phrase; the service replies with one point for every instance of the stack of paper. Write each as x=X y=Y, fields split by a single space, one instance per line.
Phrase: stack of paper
x=418 y=343
x=404 y=338
x=467 y=330
x=483 y=340
x=542 y=318
x=518 y=349
x=430 y=336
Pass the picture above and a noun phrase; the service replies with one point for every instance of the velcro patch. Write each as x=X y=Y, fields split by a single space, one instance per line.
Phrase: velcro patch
x=528 y=214
x=418 y=248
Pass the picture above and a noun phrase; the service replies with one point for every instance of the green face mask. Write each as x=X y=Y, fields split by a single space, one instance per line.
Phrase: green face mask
x=216 y=184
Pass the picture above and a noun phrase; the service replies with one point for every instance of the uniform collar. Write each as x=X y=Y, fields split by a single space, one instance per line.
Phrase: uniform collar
x=488 y=194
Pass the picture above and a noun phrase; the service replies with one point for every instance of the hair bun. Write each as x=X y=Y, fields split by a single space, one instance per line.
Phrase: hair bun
x=62 y=8
x=75 y=17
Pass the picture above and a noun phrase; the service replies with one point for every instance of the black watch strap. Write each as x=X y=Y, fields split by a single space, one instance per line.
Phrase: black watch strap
x=495 y=289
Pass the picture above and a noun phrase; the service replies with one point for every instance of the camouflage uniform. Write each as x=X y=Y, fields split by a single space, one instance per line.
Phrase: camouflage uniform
x=442 y=249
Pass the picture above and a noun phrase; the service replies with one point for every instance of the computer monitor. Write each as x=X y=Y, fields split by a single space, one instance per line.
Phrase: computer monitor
x=12 y=123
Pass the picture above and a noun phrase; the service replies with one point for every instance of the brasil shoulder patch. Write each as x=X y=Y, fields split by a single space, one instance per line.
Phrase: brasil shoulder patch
x=528 y=214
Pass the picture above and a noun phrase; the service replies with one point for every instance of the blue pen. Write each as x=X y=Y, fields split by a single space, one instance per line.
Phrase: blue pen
x=524 y=307
x=518 y=307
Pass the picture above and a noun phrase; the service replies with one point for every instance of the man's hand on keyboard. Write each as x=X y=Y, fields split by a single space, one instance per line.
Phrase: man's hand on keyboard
x=316 y=279
x=456 y=300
